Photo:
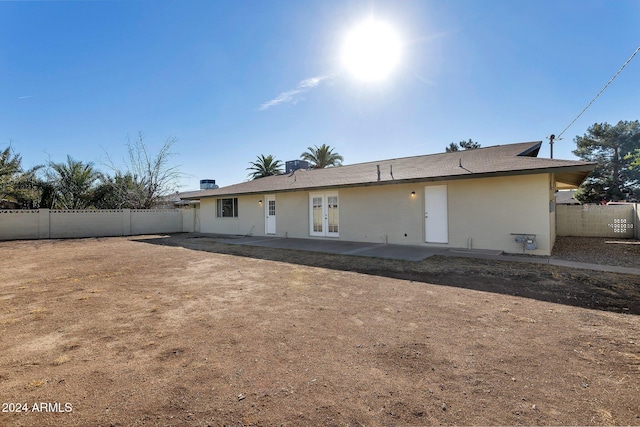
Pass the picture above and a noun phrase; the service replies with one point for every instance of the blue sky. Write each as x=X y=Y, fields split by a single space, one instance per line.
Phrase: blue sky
x=235 y=79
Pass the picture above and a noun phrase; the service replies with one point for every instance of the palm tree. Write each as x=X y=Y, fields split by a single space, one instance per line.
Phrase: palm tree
x=16 y=185
x=265 y=166
x=322 y=157
x=73 y=182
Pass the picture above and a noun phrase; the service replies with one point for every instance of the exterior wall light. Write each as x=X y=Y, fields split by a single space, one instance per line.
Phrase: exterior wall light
x=413 y=194
x=260 y=202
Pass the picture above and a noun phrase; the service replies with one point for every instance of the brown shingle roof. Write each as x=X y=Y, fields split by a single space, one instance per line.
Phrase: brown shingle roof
x=499 y=160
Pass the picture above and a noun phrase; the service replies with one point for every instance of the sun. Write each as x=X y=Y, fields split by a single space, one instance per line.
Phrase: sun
x=371 y=51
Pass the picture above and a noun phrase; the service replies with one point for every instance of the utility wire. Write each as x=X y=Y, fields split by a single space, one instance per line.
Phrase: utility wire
x=599 y=93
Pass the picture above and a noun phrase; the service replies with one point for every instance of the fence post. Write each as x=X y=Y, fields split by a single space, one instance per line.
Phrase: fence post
x=44 y=223
x=126 y=222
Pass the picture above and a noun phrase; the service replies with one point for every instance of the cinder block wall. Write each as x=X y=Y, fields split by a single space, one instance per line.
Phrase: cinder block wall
x=156 y=221
x=616 y=221
x=20 y=224
x=58 y=224
x=85 y=223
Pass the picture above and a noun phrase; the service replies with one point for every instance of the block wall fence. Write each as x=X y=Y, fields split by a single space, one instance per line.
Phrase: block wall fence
x=614 y=221
x=621 y=221
x=60 y=224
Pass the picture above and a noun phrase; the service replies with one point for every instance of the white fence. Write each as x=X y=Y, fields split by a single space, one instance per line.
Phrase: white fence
x=621 y=221
x=615 y=221
x=55 y=224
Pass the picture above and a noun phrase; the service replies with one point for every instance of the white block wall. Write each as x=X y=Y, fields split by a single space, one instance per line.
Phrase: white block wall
x=58 y=224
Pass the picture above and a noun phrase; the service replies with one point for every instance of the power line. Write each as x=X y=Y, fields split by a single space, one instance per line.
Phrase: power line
x=599 y=93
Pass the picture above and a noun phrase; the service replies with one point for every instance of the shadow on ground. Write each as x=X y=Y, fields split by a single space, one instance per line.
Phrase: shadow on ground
x=613 y=292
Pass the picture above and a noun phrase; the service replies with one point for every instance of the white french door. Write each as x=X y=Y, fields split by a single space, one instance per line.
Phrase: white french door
x=270 y=214
x=323 y=214
x=436 y=222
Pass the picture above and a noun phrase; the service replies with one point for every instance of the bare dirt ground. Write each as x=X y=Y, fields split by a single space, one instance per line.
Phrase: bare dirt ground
x=183 y=331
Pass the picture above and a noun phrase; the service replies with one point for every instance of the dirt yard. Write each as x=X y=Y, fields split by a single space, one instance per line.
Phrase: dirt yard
x=187 y=332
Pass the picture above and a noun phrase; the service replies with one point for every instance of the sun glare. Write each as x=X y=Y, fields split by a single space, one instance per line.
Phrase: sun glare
x=371 y=51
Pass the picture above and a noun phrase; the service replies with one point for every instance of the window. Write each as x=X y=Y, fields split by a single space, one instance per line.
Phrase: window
x=227 y=208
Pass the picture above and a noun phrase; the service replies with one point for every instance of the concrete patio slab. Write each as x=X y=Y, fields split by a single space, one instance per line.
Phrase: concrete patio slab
x=399 y=252
x=341 y=247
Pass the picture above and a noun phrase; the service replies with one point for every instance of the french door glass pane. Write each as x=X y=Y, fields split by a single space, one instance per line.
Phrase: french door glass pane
x=332 y=210
x=317 y=214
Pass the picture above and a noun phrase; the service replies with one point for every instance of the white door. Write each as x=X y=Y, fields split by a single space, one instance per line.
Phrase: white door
x=323 y=214
x=436 y=222
x=270 y=214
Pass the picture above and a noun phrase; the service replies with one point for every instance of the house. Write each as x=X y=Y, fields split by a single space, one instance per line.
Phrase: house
x=566 y=197
x=177 y=200
x=488 y=198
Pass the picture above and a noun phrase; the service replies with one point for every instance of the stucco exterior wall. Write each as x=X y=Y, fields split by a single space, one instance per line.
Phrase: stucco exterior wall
x=383 y=214
x=488 y=210
x=552 y=210
x=250 y=220
x=481 y=212
x=292 y=214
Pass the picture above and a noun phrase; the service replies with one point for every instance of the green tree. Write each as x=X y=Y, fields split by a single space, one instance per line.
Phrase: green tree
x=264 y=166
x=462 y=145
x=614 y=148
x=119 y=192
x=17 y=186
x=322 y=157
x=73 y=183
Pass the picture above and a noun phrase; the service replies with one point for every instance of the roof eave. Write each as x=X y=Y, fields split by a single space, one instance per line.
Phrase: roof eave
x=568 y=177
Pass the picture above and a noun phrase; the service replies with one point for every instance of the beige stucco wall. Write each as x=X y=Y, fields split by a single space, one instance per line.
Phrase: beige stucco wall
x=383 y=214
x=488 y=210
x=552 y=210
x=292 y=214
x=250 y=220
x=482 y=211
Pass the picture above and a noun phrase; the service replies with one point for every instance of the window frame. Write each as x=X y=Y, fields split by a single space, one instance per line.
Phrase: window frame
x=220 y=207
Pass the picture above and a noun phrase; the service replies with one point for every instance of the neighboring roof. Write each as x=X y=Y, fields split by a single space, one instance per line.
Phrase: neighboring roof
x=178 y=198
x=499 y=160
x=565 y=197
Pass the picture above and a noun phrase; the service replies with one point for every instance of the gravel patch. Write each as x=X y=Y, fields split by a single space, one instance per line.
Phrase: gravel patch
x=598 y=250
